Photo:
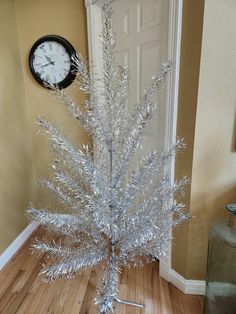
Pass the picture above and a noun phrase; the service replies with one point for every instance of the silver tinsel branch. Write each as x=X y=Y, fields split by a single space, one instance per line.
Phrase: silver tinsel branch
x=112 y=212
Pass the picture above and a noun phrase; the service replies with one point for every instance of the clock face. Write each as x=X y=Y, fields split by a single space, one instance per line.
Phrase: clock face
x=50 y=61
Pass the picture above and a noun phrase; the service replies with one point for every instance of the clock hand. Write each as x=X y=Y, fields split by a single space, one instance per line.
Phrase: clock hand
x=50 y=60
x=45 y=65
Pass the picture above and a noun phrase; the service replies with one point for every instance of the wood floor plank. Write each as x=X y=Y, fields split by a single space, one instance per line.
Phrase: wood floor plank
x=12 y=269
x=123 y=292
x=131 y=282
x=13 y=298
x=139 y=296
x=22 y=291
x=156 y=291
x=148 y=290
x=89 y=294
x=165 y=299
x=34 y=297
x=76 y=293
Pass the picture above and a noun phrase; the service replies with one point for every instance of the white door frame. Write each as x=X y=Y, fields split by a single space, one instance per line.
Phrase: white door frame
x=94 y=26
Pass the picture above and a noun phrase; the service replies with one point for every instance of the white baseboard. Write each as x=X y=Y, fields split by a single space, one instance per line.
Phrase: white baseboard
x=164 y=270
x=187 y=286
x=12 y=249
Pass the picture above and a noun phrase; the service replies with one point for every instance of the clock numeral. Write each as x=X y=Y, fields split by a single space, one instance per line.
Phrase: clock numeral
x=37 y=56
x=42 y=47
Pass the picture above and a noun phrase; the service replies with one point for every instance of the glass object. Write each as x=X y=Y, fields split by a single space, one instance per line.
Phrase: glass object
x=221 y=268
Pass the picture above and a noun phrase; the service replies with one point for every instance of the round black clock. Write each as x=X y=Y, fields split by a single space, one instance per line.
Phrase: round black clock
x=50 y=61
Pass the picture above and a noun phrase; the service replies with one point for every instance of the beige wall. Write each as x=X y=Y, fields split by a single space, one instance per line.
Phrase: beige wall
x=36 y=19
x=22 y=22
x=188 y=93
x=214 y=158
x=16 y=167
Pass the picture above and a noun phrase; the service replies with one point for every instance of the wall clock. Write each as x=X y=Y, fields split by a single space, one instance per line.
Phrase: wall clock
x=50 y=61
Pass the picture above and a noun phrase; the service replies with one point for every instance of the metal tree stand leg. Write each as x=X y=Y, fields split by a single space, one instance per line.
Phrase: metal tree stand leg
x=142 y=306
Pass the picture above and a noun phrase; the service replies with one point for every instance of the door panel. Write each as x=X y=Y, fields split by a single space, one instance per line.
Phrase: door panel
x=142 y=36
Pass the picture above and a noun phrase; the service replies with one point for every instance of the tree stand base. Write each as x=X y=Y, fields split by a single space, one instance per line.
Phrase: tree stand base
x=142 y=306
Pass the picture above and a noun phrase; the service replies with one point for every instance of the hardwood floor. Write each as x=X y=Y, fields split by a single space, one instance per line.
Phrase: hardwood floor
x=22 y=291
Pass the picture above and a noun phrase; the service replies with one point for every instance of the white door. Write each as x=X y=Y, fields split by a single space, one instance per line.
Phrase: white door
x=142 y=39
x=148 y=31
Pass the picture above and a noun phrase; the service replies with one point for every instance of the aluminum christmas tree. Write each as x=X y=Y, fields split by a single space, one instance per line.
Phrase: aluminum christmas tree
x=111 y=217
